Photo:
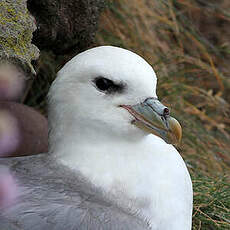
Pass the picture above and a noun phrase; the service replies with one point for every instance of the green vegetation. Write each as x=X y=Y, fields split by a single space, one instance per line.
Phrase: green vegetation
x=187 y=43
x=211 y=203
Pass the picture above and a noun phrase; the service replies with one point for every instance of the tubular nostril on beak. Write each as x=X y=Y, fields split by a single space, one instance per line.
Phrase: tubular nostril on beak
x=157 y=106
x=166 y=112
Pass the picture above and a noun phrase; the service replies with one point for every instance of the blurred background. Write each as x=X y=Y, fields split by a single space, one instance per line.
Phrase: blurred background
x=188 y=44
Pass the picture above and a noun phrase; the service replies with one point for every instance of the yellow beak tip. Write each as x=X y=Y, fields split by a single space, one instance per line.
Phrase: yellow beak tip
x=175 y=130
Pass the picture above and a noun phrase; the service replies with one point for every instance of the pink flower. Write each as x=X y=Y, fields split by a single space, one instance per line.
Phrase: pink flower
x=9 y=133
x=8 y=188
x=12 y=82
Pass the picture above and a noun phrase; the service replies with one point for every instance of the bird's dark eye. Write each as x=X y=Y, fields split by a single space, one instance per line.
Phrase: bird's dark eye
x=104 y=84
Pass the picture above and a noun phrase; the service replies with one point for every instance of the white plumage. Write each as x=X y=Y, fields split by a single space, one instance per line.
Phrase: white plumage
x=93 y=134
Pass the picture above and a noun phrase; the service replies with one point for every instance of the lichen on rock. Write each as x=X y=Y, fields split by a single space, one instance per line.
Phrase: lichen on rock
x=16 y=28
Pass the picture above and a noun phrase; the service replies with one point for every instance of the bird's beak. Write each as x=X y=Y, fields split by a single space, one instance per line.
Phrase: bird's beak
x=153 y=117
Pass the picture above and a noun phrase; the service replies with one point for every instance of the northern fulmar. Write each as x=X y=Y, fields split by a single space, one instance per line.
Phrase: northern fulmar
x=111 y=163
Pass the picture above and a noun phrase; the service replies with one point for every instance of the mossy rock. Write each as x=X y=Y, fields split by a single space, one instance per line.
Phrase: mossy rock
x=16 y=28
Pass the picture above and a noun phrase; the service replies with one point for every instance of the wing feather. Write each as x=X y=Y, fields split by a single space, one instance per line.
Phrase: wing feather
x=52 y=198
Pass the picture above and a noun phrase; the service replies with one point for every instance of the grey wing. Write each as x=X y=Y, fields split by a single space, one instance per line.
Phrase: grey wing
x=61 y=217
x=7 y=224
x=49 y=202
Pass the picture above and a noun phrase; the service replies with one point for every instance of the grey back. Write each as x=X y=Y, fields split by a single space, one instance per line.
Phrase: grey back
x=52 y=198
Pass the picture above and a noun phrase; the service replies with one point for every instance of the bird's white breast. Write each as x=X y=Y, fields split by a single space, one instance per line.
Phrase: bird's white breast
x=148 y=177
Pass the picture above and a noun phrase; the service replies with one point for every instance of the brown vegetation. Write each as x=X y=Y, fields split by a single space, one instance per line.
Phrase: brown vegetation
x=187 y=43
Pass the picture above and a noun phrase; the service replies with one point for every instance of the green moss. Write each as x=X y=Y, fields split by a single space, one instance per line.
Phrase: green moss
x=16 y=28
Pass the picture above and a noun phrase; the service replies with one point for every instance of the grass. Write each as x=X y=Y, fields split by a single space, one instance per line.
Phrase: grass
x=211 y=203
x=187 y=43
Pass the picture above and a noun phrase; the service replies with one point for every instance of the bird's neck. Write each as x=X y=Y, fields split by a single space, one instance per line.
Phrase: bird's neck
x=99 y=157
x=116 y=166
x=108 y=162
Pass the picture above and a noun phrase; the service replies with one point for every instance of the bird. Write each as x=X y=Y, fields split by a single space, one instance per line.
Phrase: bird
x=111 y=162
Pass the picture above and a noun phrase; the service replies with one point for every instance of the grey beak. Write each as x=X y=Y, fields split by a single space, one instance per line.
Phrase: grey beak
x=153 y=117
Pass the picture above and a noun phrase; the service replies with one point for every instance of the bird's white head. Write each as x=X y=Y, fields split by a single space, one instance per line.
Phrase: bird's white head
x=100 y=94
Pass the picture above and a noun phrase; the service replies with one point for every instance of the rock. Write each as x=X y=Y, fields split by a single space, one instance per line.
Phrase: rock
x=65 y=26
x=16 y=28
